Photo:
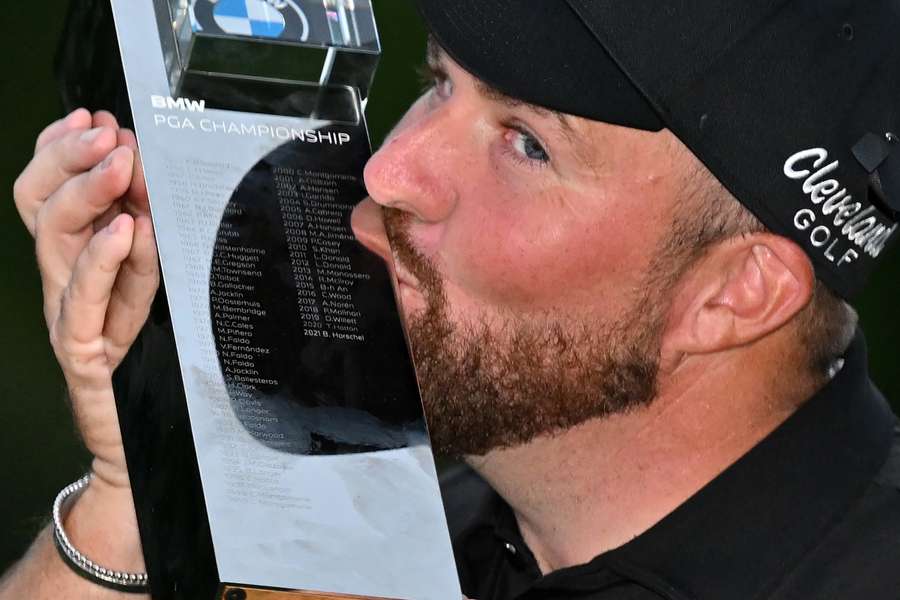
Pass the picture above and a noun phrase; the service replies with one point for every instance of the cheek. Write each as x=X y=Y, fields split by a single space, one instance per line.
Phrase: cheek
x=543 y=257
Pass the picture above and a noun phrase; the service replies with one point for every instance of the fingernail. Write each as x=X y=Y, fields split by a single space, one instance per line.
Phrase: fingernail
x=115 y=226
x=88 y=137
x=107 y=162
x=71 y=116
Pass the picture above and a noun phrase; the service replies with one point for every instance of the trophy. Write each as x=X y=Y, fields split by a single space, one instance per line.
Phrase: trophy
x=272 y=422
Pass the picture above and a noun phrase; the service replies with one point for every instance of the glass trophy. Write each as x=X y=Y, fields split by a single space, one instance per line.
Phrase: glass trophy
x=272 y=422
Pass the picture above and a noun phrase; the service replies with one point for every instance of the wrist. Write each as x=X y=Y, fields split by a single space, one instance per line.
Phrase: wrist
x=102 y=525
x=110 y=476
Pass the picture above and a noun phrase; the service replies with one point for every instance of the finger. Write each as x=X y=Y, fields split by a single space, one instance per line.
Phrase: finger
x=136 y=200
x=86 y=299
x=79 y=119
x=59 y=161
x=104 y=118
x=84 y=198
x=135 y=289
x=64 y=224
x=131 y=200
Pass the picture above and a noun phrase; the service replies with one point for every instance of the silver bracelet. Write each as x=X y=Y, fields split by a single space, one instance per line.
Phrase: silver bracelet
x=136 y=583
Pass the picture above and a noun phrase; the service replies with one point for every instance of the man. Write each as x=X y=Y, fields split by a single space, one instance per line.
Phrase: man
x=660 y=388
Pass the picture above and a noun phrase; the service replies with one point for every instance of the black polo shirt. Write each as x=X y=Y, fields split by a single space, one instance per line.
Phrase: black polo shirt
x=812 y=512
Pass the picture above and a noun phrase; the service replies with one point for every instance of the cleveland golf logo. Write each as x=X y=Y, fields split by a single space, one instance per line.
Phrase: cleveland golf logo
x=281 y=19
x=836 y=215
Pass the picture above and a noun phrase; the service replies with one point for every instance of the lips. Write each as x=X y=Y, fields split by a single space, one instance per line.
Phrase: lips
x=368 y=227
x=403 y=276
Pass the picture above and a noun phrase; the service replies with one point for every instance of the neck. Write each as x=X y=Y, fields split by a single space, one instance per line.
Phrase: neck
x=592 y=488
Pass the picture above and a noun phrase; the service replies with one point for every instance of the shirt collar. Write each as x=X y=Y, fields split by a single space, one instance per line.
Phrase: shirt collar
x=741 y=533
x=744 y=531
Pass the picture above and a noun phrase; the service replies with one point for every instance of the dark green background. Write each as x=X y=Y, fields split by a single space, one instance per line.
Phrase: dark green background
x=39 y=450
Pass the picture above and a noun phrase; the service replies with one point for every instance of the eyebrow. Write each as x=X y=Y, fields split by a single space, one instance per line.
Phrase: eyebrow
x=435 y=58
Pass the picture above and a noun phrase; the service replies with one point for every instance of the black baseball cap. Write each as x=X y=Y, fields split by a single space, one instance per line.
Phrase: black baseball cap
x=794 y=105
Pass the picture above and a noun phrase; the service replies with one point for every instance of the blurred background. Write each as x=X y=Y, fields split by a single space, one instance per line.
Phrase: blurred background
x=39 y=449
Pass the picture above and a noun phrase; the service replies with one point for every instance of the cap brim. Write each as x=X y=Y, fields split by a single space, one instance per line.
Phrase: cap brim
x=541 y=53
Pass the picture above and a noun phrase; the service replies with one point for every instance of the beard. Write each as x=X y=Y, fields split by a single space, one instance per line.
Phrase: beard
x=502 y=382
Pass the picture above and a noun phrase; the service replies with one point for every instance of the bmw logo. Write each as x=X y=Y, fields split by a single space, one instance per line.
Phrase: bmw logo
x=278 y=19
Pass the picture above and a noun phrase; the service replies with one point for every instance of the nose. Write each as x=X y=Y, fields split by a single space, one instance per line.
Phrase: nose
x=413 y=169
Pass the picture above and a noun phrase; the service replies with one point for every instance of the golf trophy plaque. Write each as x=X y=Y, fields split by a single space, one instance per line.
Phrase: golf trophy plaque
x=271 y=416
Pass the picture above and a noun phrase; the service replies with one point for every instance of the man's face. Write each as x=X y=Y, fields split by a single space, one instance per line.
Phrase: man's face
x=527 y=251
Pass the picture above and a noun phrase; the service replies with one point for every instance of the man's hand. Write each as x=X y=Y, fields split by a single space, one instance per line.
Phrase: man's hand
x=83 y=199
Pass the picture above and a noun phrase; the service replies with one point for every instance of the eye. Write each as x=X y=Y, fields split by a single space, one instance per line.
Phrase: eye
x=435 y=79
x=526 y=146
x=443 y=86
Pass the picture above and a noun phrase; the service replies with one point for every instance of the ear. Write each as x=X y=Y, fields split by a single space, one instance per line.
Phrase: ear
x=741 y=291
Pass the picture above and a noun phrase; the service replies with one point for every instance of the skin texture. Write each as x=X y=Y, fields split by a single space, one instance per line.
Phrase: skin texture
x=521 y=216
x=507 y=378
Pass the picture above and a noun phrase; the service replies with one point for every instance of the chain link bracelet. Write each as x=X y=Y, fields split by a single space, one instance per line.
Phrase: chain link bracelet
x=135 y=583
